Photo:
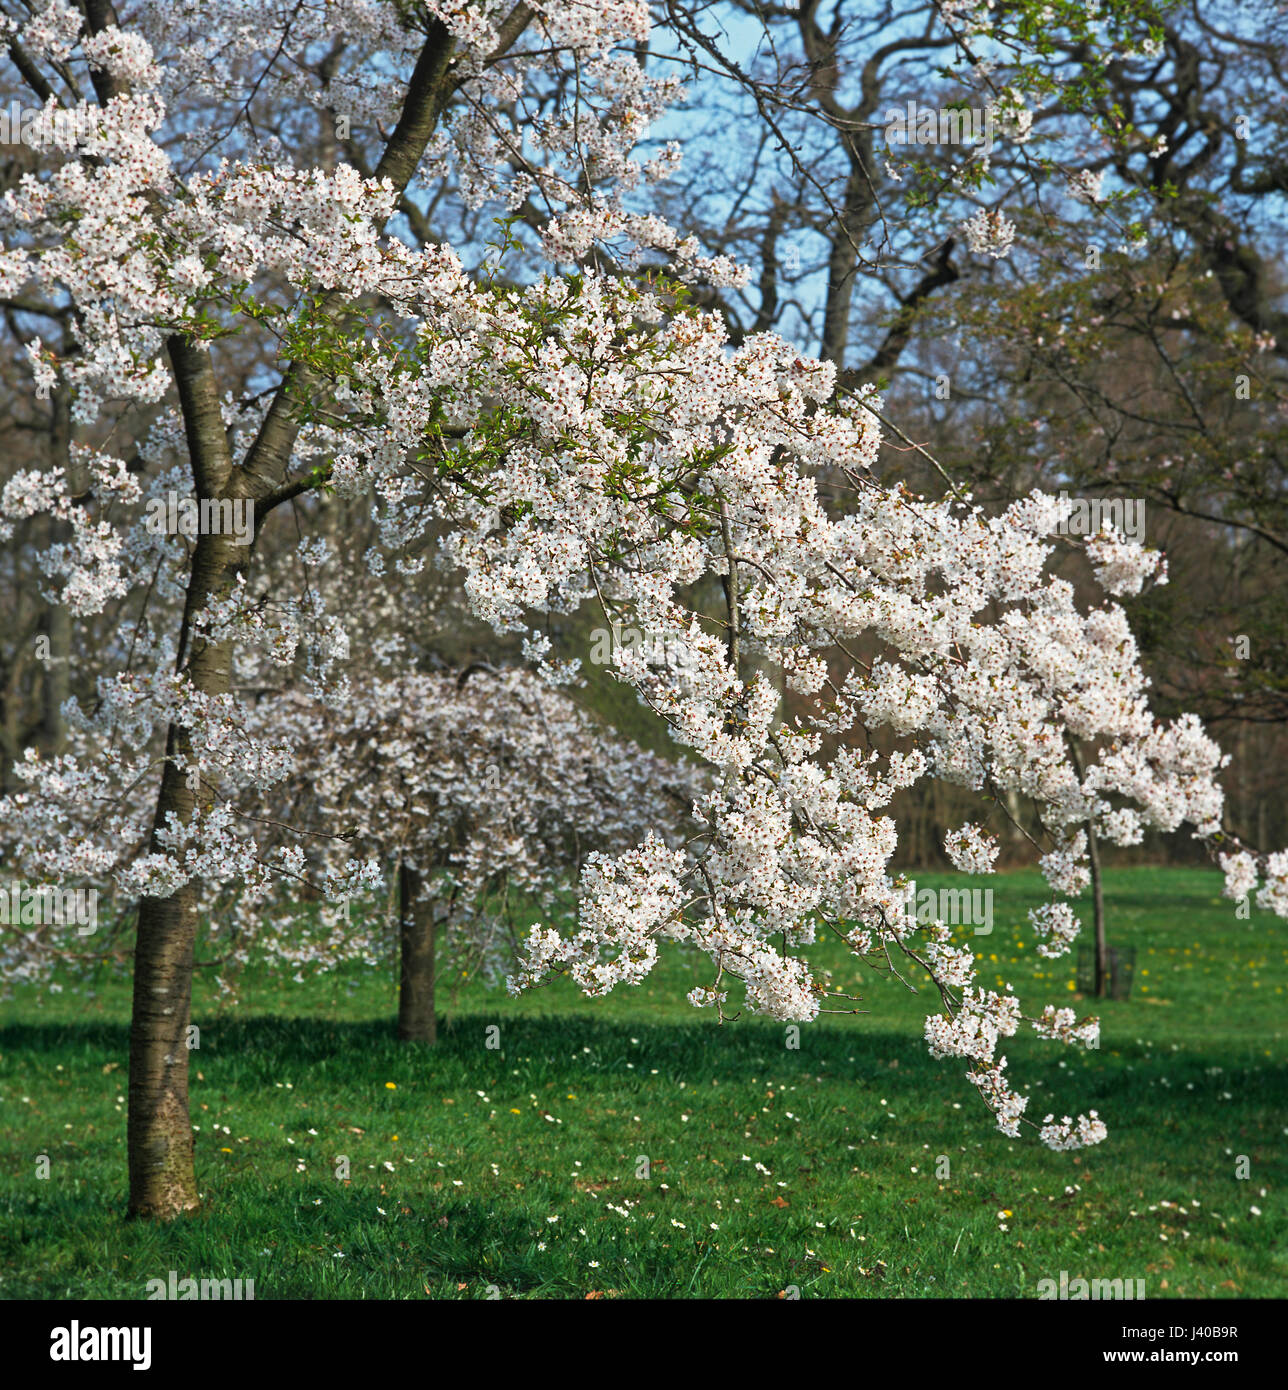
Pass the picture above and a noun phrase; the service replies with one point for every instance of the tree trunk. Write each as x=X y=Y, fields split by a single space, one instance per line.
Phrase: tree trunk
x=163 y=1179
x=417 y=1019
x=57 y=621
x=1098 y=909
x=1097 y=889
x=1016 y=816
x=57 y=627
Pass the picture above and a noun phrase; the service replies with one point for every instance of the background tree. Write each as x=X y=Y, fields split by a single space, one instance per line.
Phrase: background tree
x=480 y=793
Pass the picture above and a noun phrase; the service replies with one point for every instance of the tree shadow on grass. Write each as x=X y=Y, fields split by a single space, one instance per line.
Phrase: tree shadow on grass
x=268 y=1049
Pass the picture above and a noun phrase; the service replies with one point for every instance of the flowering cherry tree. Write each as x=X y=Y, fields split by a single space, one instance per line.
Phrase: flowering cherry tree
x=584 y=438
x=479 y=793
x=164 y=244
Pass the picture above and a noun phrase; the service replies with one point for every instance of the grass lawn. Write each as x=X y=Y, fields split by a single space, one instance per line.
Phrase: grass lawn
x=853 y=1165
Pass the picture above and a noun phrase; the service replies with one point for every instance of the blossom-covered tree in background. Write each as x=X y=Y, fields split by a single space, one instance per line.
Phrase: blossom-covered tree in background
x=480 y=793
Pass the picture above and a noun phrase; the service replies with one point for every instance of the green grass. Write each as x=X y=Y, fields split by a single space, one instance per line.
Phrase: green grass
x=499 y=1169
